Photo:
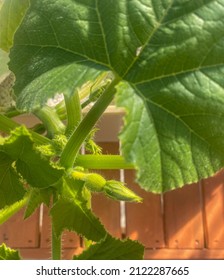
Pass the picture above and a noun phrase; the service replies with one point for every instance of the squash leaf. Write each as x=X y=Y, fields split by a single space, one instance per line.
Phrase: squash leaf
x=170 y=54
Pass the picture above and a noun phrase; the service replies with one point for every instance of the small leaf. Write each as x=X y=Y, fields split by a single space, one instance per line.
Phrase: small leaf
x=37 y=170
x=75 y=216
x=11 y=15
x=11 y=189
x=113 y=249
x=8 y=254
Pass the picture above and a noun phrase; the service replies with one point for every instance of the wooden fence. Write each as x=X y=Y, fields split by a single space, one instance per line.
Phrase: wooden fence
x=187 y=223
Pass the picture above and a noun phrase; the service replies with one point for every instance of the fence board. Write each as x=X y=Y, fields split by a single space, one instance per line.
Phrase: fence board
x=20 y=233
x=184 y=254
x=106 y=209
x=213 y=190
x=144 y=222
x=183 y=218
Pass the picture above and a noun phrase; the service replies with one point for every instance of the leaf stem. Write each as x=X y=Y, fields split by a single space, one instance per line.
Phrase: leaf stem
x=103 y=162
x=74 y=113
x=56 y=241
x=76 y=140
x=51 y=121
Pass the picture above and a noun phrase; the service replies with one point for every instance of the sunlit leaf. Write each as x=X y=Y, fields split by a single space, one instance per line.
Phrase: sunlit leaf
x=169 y=52
x=113 y=249
x=8 y=254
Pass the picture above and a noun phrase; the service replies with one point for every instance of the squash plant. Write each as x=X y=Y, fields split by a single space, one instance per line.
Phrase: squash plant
x=162 y=61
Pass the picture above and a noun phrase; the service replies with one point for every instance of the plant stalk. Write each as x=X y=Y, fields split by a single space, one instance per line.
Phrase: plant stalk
x=56 y=242
x=76 y=140
x=51 y=121
x=103 y=162
x=74 y=111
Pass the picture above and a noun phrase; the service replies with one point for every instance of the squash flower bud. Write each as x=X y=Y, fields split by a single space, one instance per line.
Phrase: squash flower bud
x=116 y=190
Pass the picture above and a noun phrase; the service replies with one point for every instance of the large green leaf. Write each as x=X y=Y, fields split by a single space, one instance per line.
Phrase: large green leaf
x=113 y=249
x=34 y=168
x=170 y=52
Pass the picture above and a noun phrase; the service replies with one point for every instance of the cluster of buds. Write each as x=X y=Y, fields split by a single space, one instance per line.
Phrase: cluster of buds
x=111 y=188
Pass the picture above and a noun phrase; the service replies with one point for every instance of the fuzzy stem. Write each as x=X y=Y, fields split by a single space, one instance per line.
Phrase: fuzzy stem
x=74 y=113
x=76 y=140
x=56 y=242
x=51 y=121
x=103 y=162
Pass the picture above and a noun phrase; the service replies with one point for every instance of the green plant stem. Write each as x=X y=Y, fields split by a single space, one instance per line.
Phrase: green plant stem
x=56 y=241
x=103 y=162
x=76 y=140
x=6 y=125
x=74 y=113
x=51 y=121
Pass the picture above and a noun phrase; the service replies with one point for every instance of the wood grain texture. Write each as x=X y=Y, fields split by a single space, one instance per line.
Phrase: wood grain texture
x=17 y=232
x=213 y=193
x=107 y=209
x=144 y=221
x=183 y=218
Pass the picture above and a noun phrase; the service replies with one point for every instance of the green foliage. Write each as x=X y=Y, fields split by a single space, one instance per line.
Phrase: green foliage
x=163 y=60
x=75 y=216
x=11 y=188
x=8 y=254
x=20 y=148
x=113 y=249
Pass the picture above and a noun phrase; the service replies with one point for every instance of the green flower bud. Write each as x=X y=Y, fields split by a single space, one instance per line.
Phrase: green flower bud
x=95 y=182
x=116 y=190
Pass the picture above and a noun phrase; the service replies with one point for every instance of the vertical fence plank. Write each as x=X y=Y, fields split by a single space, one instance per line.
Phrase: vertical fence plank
x=183 y=218
x=106 y=209
x=19 y=233
x=213 y=192
x=144 y=221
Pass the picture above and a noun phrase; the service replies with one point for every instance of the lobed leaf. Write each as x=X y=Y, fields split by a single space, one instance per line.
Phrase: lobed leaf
x=170 y=53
